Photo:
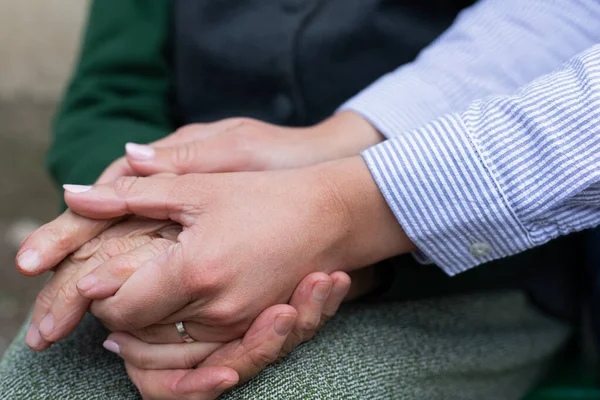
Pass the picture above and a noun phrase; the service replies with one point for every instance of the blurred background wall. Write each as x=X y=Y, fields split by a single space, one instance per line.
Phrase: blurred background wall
x=38 y=39
x=38 y=44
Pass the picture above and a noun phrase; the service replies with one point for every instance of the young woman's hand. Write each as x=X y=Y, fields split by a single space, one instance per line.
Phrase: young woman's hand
x=248 y=240
x=230 y=145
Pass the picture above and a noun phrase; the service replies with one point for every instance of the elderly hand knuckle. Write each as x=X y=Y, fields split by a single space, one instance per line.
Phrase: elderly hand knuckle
x=44 y=299
x=68 y=293
x=87 y=250
x=159 y=245
x=115 y=246
x=57 y=235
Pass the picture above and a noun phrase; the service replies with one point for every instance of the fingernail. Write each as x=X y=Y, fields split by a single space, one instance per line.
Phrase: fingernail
x=86 y=282
x=112 y=346
x=33 y=338
x=283 y=324
x=321 y=291
x=139 y=152
x=47 y=325
x=76 y=188
x=29 y=260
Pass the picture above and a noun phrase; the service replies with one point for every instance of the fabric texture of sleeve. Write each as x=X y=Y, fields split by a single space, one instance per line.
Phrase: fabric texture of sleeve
x=493 y=48
x=119 y=91
x=508 y=174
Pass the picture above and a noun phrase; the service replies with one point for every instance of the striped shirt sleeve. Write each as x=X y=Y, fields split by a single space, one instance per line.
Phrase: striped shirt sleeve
x=507 y=174
x=493 y=47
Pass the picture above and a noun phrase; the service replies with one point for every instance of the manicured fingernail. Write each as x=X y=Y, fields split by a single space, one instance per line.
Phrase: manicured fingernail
x=76 y=188
x=87 y=282
x=47 y=325
x=29 y=260
x=111 y=345
x=33 y=338
x=284 y=324
x=140 y=152
x=321 y=291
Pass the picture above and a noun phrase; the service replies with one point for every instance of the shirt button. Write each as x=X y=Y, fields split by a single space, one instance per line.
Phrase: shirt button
x=283 y=107
x=480 y=249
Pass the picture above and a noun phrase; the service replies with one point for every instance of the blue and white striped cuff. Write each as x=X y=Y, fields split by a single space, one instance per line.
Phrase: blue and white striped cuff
x=441 y=192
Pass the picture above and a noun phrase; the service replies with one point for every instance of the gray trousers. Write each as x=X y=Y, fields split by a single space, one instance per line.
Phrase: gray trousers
x=482 y=346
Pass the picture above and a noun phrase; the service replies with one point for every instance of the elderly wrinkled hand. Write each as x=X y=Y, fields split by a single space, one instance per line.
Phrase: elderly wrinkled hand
x=199 y=370
x=59 y=307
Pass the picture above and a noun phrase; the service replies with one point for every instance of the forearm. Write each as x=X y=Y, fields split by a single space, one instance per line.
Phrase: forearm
x=494 y=47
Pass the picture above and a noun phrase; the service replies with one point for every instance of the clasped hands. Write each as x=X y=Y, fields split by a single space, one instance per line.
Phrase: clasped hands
x=252 y=262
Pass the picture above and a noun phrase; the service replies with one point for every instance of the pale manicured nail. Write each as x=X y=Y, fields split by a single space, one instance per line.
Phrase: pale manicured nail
x=87 y=282
x=33 y=338
x=111 y=345
x=140 y=152
x=321 y=291
x=284 y=324
x=76 y=188
x=47 y=325
x=29 y=260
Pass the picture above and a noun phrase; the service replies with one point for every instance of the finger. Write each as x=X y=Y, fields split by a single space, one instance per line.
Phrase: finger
x=181 y=159
x=129 y=228
x=203 y=384
x=153 y=292
x=43 y=301
x=159 y=356
x=152 y=197
x=259 y=347
x=339 y=291
x=308 y=299
x=69 y=307
x=315 y=306
x=121 y=166
x=162 y=333
x=107 y=278
x=214 y=154
x=47 y=246
x=65 y=270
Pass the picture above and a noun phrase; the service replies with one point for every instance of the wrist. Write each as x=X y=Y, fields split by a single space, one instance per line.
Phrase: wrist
x=344 y=134
x=368 y=231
